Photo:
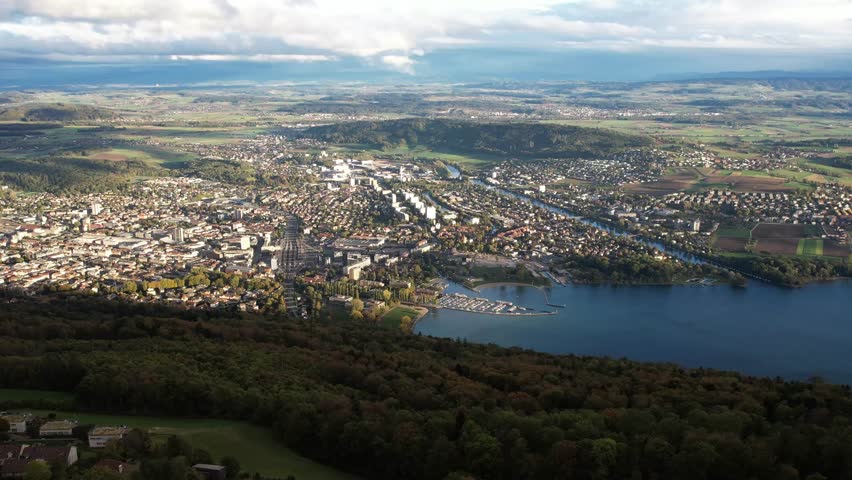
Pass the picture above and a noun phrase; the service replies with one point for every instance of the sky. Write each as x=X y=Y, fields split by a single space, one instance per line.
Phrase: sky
x=418 y=39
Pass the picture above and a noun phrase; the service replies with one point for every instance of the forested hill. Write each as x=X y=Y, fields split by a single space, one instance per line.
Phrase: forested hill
x=56 y=112
x=393 y=406
x=512 y=139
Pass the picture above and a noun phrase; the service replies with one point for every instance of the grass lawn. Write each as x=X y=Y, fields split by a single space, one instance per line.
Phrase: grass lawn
x=257 y=448
x=393 y=319
x=733 y=232
x=810 y=246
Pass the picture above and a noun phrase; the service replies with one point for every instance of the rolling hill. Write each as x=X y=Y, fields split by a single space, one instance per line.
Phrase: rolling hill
x=512 y=139
x=56 y=112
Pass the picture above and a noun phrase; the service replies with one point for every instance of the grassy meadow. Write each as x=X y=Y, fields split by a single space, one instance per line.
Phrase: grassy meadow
x=257 y=448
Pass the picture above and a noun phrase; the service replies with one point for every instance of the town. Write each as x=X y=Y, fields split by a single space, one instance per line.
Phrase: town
x=205 y=240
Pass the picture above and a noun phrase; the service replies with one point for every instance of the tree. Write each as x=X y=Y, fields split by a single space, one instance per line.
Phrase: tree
x=102 y=474
x=137 y=442
x=177 y=447
x=58 y=470
x=232 y=466
x=37 y=470
x=201 y=456
x=4 y=429
x=357 y=309
x=480 y=449
x=599 y=456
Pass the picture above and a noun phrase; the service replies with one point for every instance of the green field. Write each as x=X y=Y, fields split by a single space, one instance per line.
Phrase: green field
x=393 y=319
x=810 y=246
x=257 y=448
x=153 y=156
x=734 y=232
x=832 y=173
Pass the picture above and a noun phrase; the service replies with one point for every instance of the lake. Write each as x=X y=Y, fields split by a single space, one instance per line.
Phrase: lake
x=759 y=330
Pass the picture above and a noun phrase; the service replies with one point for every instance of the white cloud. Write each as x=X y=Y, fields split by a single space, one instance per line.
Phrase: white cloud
x=391 y=32
x=400 y=63
x=254 y=58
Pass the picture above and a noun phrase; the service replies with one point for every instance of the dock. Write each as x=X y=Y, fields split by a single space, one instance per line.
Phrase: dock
x=464 y=303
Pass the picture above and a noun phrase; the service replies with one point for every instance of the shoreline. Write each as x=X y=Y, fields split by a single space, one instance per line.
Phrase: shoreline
x=422 y=310
x=718 y=282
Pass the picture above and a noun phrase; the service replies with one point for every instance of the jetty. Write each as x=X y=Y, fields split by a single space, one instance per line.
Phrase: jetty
x=551 y=304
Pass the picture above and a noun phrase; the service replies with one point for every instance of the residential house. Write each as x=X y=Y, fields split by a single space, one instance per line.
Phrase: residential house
x=17 y=423
x=99 y=437
x=15 y=458
x=210 y=472
x=59 y=428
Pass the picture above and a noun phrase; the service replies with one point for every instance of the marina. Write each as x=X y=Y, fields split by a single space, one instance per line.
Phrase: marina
x=464 y=303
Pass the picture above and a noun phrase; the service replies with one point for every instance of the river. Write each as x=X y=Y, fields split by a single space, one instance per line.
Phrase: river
x=759 y=330
x=685 y=256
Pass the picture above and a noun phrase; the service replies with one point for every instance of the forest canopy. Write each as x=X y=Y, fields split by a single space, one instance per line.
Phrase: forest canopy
x=514 y=139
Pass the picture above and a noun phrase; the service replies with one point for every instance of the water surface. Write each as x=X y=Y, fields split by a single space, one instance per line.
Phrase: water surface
x=760 y=330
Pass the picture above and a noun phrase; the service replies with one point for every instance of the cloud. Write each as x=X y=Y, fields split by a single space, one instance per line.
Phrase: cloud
x=253 y=58
x=389 y=33
x=400 y=63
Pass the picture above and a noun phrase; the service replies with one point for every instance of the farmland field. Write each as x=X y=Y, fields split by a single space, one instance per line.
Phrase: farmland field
x=830 y=172
x=778 y=246
x=257 y=449
x=810 y=246
x=697 y=180
x=779 y=230
x=834 y=249
x=730 y=244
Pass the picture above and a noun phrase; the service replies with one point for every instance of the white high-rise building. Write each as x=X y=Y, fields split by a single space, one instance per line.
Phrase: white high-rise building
x=179 y=235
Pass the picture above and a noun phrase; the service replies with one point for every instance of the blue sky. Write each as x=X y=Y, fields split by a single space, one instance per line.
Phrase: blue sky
x=420 y=40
